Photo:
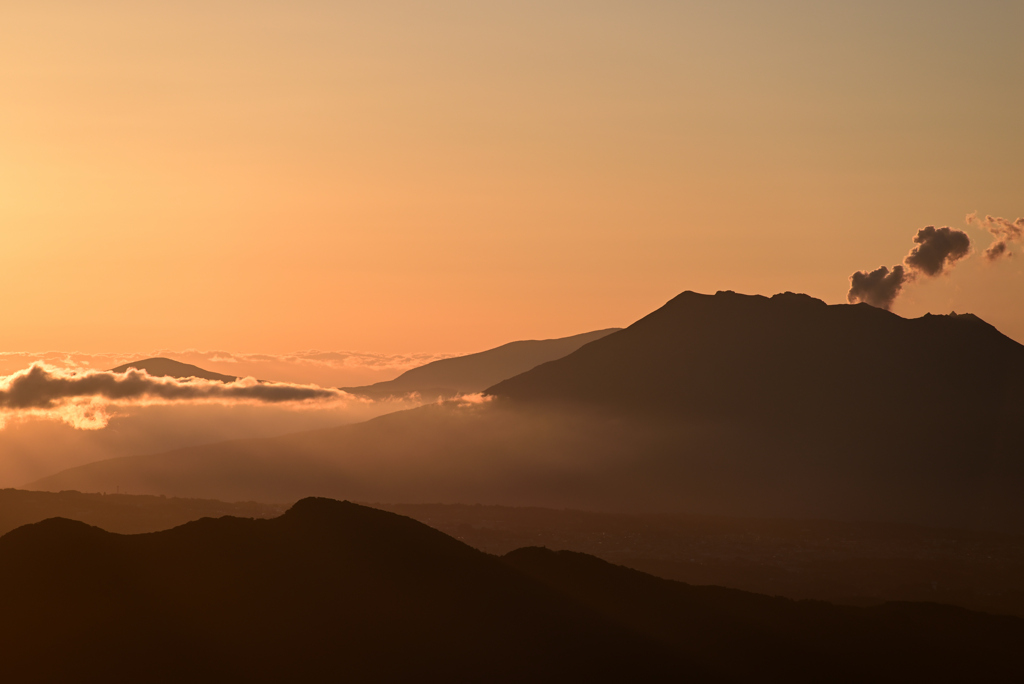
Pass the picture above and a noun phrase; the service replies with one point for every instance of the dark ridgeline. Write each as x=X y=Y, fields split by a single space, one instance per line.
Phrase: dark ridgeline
x=744 y=637
x=121 y=513
x=329 y=590
x=335 y=591
x=850 y=563
x=721 y=404
x=160 y=367
x=473 y=373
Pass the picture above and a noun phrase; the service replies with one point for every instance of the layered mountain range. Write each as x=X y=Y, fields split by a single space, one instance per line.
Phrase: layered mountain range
x=723 y=404
x=34 y=448
x=331 y=590
x=793 y=413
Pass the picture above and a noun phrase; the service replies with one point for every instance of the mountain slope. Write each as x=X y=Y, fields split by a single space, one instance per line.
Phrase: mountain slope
x=775 y=639
x=730 y=355
x=332 y=590
x=725 y=404
x=161 y=367
x=475 y=372
x=328 y=590
x=852 y=563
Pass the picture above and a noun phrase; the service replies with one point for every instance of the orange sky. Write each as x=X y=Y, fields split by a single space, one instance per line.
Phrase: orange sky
x=449 y=176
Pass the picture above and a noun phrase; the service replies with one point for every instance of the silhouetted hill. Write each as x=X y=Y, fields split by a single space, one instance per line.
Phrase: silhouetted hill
x=329 y=591
x=121 y=513
x=161 y=367
x=725 y=405
x=854 y=563
x=476 y=372
x=749 y=637
x=335 y=591
x=858 y=563
x=851 y=563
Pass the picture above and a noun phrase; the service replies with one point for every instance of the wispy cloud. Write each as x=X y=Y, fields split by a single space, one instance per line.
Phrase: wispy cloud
x=1003 y=230
x=470 y=399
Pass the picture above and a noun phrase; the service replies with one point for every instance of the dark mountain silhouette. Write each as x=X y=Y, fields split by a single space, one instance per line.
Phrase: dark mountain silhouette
x=792 y=358
x=726 y=404
x=851 y=563
x=329 y=590
x=749 y=637
x=854 y=563
x=121 y=513
x=335 y=591
x=920 y=410
x=476 y=372
x=161 y=367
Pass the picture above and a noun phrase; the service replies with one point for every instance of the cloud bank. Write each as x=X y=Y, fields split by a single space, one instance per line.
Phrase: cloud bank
x=82 y=398
x=323 y=368
x=938 y=250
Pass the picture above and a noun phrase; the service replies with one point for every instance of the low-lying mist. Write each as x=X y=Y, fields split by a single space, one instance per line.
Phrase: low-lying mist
x=586 y=458
x=52 y=419
x=33 y=447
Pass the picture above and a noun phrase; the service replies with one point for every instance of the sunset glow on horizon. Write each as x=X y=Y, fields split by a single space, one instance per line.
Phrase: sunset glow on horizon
x=446 y=177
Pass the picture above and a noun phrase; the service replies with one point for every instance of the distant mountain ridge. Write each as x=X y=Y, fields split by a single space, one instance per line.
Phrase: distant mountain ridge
x=120 y=513
x=335 y=591
x=473 y=373
x=442 y=379
x=163 y=367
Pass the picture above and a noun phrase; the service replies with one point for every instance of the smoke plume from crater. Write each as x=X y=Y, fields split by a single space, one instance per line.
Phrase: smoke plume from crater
x=1003 y=230
x=879 y=287
x=936 y=252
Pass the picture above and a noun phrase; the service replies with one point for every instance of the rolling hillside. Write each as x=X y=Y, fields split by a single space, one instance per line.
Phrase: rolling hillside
x=331 y=590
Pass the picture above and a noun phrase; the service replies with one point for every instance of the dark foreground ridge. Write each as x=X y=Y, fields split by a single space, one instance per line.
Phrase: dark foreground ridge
x=338 y=591
x=849 y=563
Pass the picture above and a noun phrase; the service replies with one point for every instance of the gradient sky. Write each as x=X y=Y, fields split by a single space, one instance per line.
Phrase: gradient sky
x=449 y=176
